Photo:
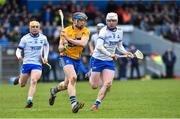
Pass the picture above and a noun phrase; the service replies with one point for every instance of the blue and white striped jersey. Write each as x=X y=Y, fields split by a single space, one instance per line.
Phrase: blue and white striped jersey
x=33 y=47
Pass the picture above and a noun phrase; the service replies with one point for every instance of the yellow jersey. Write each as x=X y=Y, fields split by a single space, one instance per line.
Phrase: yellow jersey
x=74 y=51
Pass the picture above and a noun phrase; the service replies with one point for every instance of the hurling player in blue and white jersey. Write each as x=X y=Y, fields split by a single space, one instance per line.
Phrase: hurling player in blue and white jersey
x=102 y=65
x=35 y=48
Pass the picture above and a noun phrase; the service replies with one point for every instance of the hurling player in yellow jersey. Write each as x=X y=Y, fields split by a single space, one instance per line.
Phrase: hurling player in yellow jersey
x=76 y=36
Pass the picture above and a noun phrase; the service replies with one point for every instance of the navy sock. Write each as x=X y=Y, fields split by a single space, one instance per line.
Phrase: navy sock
x=98 y=102
x=73 y=99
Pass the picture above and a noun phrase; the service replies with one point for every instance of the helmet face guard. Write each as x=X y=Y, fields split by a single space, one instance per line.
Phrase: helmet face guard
x=111 y=20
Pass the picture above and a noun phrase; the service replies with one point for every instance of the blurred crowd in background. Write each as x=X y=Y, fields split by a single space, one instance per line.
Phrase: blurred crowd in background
x=161 y=19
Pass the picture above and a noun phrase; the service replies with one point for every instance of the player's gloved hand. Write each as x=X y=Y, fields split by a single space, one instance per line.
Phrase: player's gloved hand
x=65 y=43
x=63 y=46
x=115 y=56
x=129 y=55
x=20 y=58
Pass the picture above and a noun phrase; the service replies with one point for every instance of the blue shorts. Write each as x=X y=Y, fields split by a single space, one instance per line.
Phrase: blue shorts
x=67 y=60
x=99 y=65
x=27 y=68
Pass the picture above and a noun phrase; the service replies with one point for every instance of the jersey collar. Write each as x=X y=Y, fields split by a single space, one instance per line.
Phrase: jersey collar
x=112 y=29
x=34 y=36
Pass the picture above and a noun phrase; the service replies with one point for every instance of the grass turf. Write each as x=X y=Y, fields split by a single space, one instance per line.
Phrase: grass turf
x=132 y=98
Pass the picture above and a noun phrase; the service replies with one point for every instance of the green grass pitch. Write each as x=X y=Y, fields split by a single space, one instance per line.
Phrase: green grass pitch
x=132 y=98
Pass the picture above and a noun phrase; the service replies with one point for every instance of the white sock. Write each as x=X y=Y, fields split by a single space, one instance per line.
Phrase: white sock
x=30 y=98
x=98 y=100
x=73 y=104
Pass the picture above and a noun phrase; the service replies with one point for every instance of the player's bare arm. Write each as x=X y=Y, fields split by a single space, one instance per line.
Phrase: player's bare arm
x=91 y=47
x=46 y=52
x=18 y=54
x=83 y=42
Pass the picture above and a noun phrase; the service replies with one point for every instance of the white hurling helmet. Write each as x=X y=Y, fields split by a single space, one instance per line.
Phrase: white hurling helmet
x=112 y=16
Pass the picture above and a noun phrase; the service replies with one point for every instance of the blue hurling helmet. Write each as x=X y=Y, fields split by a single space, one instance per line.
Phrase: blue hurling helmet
x=79 y=16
